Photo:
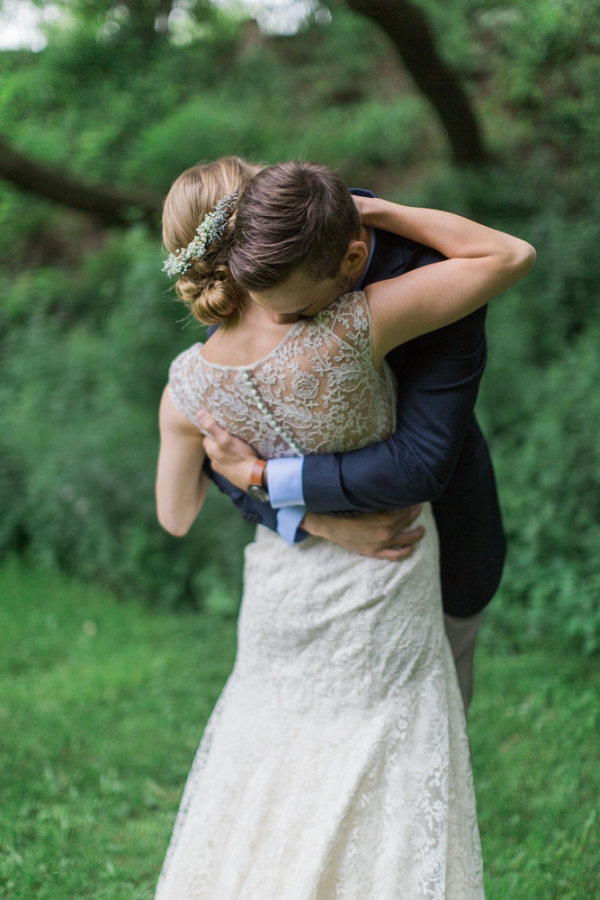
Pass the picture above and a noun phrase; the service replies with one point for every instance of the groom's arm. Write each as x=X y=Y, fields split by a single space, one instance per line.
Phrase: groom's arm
x=385 y=535
x=438 y=377
x=438 y=380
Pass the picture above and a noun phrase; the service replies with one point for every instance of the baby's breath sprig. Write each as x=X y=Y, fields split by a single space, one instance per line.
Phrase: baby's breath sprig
x=210 y=229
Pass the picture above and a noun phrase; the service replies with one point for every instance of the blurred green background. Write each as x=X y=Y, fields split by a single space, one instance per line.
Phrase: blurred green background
x=127 y=95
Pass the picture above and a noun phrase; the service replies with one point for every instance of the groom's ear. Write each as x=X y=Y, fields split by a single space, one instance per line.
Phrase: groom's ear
x=356 y=256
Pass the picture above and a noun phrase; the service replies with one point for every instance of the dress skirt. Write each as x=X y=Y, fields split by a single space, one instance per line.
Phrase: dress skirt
x=336 y=763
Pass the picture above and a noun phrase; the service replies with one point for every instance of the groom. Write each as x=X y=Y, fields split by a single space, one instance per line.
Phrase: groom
x=365 y=500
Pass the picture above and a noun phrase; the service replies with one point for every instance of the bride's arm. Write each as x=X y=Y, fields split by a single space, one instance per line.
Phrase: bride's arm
x=181 y=485
x=481 y=263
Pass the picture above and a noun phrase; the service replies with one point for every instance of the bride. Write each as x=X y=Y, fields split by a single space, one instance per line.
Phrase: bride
x=336 y=764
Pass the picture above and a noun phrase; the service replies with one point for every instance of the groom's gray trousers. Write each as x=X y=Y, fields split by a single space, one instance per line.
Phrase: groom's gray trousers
x=462 y=636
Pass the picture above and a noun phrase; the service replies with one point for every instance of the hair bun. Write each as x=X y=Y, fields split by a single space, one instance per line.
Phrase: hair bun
x=210 y=292
x=207 y=286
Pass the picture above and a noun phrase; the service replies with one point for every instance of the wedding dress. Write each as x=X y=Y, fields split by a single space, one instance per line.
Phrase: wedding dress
x=336 y=763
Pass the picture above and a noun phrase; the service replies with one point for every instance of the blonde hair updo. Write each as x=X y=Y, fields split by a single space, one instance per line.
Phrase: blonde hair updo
x=207 y=287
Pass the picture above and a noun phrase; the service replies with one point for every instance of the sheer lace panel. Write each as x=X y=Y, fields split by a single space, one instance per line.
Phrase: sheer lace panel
x=316 y=392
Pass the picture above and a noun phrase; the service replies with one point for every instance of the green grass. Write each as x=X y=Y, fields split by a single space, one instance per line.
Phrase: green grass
x=535 y=733
x=102 y=705
x=101 y=709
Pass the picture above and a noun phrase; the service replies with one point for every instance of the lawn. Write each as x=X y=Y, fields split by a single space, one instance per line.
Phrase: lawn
x=102 y=705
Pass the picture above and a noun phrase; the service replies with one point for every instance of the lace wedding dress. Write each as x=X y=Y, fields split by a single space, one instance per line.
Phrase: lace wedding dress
x=336 y=763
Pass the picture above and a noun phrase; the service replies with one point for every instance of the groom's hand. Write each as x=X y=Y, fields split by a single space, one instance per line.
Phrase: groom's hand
x=229 y=456
x=384 y=535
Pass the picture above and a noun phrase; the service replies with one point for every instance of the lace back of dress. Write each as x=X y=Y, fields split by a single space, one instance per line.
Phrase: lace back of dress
x=316 y=392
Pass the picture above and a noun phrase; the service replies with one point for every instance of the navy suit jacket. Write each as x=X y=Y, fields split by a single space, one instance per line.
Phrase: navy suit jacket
x=437 y=452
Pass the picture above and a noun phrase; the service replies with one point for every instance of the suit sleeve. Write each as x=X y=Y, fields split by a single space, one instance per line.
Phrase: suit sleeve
x=438 y=380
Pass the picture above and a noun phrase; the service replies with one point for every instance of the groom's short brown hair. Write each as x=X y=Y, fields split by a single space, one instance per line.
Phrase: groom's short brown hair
x=292 y=216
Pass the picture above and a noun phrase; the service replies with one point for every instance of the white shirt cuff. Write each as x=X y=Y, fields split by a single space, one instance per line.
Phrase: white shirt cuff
x=288 y=522
x=284 y=480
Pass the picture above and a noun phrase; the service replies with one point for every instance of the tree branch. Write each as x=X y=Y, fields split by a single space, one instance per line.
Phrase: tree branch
x=407 y=26
x=111 y=206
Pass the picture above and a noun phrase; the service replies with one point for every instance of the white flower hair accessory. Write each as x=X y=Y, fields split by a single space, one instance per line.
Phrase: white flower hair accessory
x=210 y=229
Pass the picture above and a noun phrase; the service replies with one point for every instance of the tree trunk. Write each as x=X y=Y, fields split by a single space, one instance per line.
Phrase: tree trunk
x=407 y=26
x=111 y=206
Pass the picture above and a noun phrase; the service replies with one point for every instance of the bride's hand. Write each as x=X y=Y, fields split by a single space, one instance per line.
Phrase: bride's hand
x=368 y=208
x=229 y=456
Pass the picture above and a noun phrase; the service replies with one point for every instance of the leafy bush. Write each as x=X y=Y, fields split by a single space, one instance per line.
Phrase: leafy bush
x=539 y=398
x=541 y=407
x=548 y=466
x=79 y=406
x=87 y=326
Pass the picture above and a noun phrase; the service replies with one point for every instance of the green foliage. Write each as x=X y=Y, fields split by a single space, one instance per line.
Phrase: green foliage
x=83 y=368
x=541 y=409
x=91 y=784
x=548 y=466
x=544 y=58
x=358 y=139
x=87 y=326
x=203 y=128
x=160 y=111
x=539 y=400
x=88 y=323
